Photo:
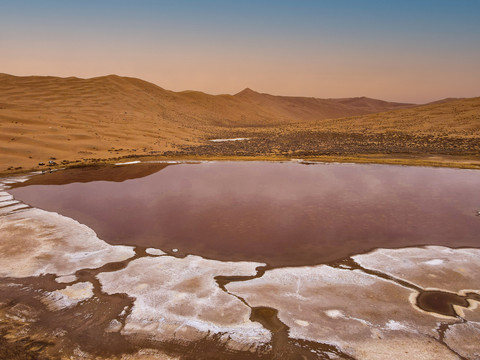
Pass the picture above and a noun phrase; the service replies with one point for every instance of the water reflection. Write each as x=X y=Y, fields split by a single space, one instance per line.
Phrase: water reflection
x=278 y=213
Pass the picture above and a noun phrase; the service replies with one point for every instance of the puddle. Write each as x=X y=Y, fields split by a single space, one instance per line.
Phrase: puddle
x=443 y=303
x=281 y=214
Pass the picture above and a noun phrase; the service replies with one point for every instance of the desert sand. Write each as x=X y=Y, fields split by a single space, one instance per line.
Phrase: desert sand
x=76 y=121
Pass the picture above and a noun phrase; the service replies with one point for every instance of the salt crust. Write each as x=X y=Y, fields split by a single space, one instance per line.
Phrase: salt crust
x=226 y=140
x=36 y=242
x=68 y=297
x=179 y=298
x=153 y=251
x=4 y=196
x=10 y=208
x=455 y=338
x=433 y=267
x=402 y=346
x=8 y=203
x=66 y=279
x=146 y=354
x=352 y=310
x=128 y=163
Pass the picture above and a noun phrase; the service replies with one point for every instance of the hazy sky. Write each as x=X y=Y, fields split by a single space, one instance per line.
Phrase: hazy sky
x=405 y=50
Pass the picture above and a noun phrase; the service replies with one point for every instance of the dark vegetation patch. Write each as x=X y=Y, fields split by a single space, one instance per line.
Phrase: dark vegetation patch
x=317 y=143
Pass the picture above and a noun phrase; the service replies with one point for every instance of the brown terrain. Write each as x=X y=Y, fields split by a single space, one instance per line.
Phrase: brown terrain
x=76 y=121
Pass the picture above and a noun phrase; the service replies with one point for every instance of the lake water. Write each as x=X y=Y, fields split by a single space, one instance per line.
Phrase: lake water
x=279 y=213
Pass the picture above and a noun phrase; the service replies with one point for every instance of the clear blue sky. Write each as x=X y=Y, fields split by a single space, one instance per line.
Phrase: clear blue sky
x=406 y=50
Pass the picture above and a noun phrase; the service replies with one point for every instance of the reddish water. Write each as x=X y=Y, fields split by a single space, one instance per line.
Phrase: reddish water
x=278 y=213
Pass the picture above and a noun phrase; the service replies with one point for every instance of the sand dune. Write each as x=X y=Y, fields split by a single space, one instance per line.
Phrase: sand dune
x=448 y=117
x=304 y=108
x=72 y=119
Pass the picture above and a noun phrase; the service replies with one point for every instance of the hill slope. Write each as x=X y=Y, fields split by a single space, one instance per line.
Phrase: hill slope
x=308 y=109
x=449 y=117
x=72 y=118
x=440 y=134
x=111 y=96
x=110 y=116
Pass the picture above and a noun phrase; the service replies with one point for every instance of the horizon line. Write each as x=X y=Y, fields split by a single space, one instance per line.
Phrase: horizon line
x=235 y=93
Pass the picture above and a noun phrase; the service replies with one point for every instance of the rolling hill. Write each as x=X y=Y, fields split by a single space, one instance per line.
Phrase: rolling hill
x=43 y=117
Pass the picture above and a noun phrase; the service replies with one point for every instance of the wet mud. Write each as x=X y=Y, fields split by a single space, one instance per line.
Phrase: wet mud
x=444 y=303
x=41 y=333
x=284 y=347
x=45 y=334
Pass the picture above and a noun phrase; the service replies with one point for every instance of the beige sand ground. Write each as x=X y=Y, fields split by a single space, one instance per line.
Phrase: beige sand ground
x=85 y=120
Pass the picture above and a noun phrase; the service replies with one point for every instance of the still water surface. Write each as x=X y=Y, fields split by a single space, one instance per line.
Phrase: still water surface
x=279 y=213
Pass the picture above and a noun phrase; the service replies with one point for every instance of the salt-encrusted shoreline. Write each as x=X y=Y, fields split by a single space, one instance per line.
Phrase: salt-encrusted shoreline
x=365 y=311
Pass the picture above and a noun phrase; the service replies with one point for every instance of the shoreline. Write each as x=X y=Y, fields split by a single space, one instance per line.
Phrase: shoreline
x=447 y=161
x=107 y=284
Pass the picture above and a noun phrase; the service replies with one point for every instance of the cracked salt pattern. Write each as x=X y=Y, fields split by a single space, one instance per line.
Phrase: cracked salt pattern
x=179 y=297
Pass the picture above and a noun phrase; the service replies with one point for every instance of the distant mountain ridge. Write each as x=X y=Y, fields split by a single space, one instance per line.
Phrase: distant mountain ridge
x=310 y=108
x=246 y=108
